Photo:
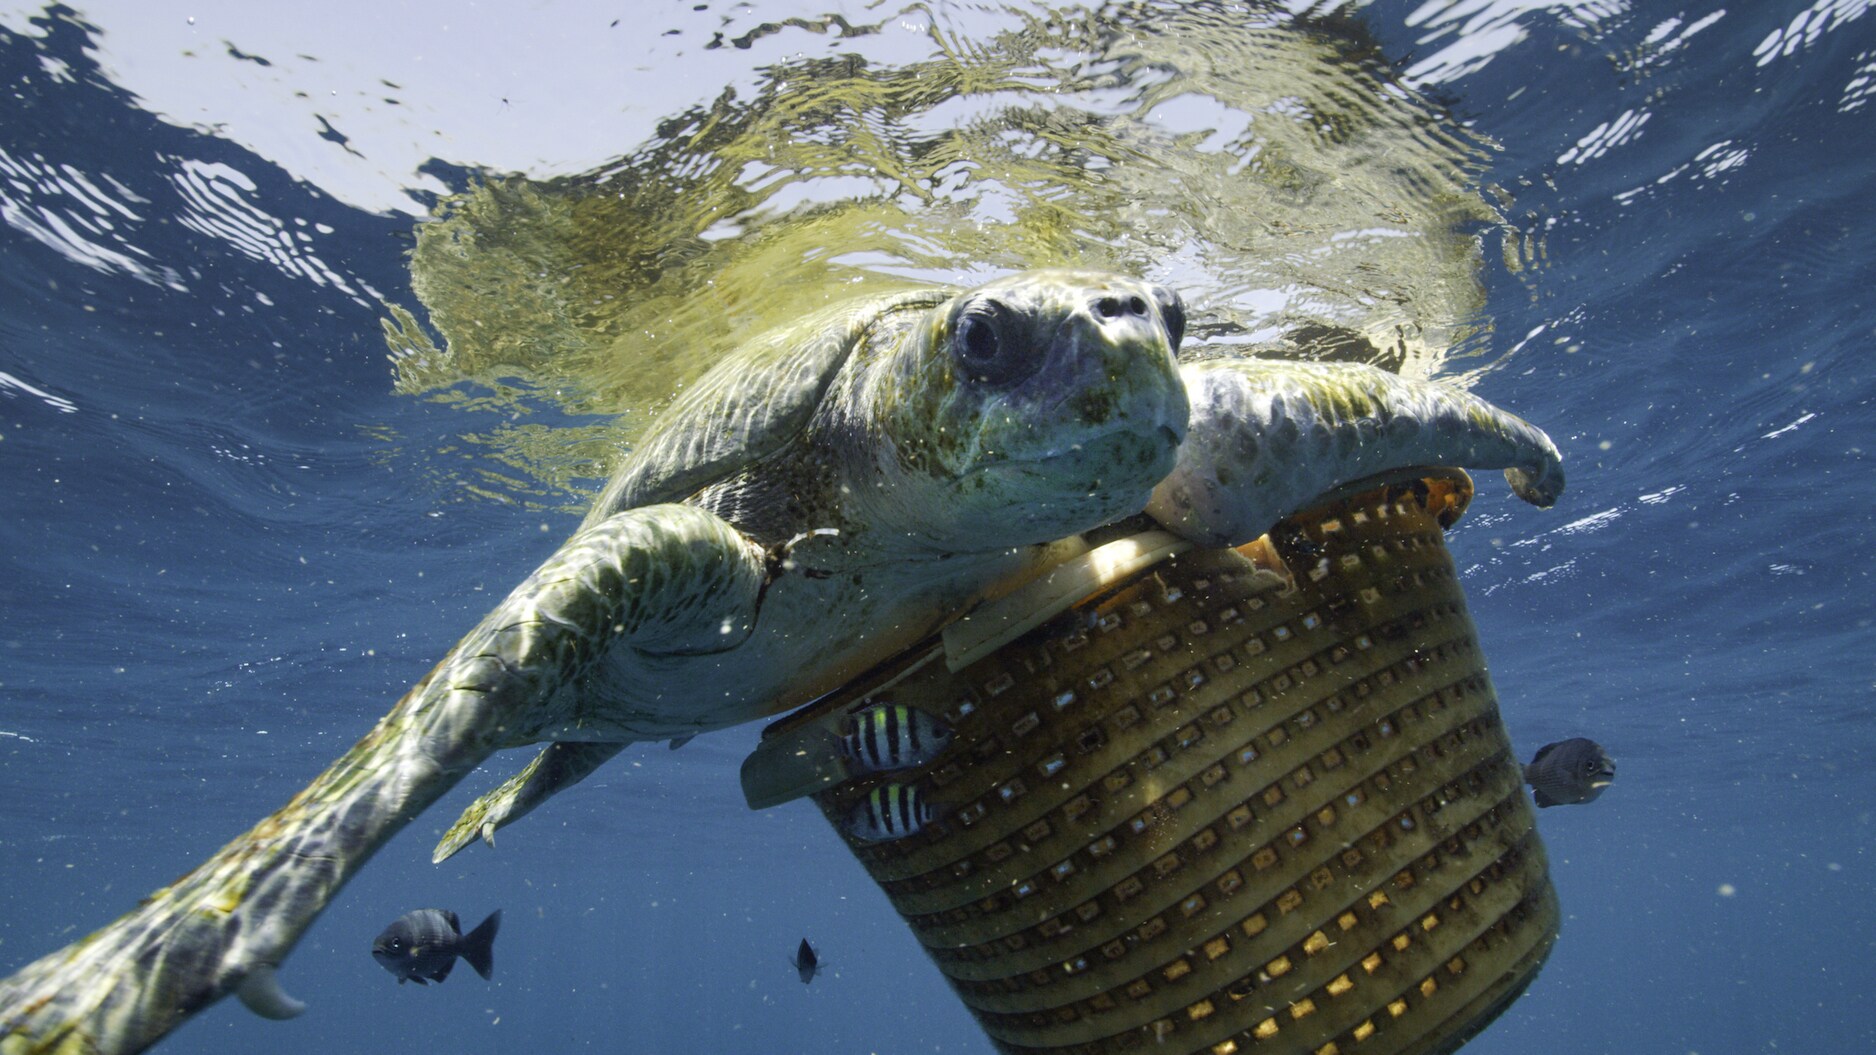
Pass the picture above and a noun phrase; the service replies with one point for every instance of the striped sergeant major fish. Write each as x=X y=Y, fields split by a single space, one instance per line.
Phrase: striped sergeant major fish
x=889 y=736
x=890 y=811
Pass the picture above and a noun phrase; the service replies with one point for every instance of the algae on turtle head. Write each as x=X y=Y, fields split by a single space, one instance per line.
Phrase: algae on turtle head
x=1025 y=410
x=834 y=493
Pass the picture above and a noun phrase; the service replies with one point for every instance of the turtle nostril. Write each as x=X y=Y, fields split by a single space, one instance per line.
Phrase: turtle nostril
x=1137 y=305
x=1107 y=307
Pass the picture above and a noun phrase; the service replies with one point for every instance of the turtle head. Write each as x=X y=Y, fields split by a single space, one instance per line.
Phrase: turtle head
x=1027 y=409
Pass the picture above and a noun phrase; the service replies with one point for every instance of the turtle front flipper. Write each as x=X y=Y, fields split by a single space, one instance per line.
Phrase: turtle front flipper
x=1267 y=438
x=559 y=766
x=661 y=577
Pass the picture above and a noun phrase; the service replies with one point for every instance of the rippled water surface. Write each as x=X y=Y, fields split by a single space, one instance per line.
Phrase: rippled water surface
x=319 y=326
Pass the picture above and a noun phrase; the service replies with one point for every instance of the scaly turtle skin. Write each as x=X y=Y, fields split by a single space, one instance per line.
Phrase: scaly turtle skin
x=828 y=496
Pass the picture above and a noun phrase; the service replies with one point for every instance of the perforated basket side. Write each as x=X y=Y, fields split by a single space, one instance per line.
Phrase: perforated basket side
x=1206 y=814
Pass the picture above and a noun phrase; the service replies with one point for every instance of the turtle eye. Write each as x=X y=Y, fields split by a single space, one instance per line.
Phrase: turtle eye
x=1173 y=311
x=988 y=343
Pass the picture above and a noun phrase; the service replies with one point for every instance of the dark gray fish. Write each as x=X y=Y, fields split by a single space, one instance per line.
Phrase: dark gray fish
x=890 y=811
x=421 y=946
x=889 y=736
x=1569 y=772
x=806 y=963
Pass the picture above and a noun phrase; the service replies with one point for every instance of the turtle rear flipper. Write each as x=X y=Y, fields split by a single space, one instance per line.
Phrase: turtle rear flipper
x=1267 y=438
x=559 y=766
x=795 y=764
x=635 y=579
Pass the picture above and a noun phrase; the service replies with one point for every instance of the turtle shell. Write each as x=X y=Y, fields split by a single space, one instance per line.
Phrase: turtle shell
x=749 y=405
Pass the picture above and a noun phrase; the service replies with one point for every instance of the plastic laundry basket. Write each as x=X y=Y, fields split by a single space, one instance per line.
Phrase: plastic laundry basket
x=1252 y=800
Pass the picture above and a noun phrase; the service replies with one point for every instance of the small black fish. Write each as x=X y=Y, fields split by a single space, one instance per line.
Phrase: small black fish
x=890 y=811
x=1569 y=772
x=889 y=736
x=806 y=964
x=422 y=945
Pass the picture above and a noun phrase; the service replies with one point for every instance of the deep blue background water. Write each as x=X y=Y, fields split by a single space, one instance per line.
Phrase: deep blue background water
x=212 y=579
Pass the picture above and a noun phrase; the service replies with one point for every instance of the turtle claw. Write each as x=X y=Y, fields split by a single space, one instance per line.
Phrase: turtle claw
x=460 y=835
x=484 y=815
x=260 y=991
x=559 y=766
x=1540 y=487
x=472 y=825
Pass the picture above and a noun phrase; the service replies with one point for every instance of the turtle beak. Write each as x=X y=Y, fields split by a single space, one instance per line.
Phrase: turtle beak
x=1135 y=336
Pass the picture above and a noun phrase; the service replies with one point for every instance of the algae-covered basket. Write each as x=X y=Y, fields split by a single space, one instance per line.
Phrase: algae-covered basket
x=1214 y=801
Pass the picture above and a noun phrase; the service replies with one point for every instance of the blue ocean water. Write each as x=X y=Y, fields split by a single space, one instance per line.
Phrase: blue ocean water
x=229 y=543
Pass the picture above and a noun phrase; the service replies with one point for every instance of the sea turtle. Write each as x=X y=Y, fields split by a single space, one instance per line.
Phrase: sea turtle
x=829 y=495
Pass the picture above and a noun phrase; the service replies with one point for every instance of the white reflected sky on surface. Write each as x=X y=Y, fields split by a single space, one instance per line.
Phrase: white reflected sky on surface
x=559 y=88
x=555 y=89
